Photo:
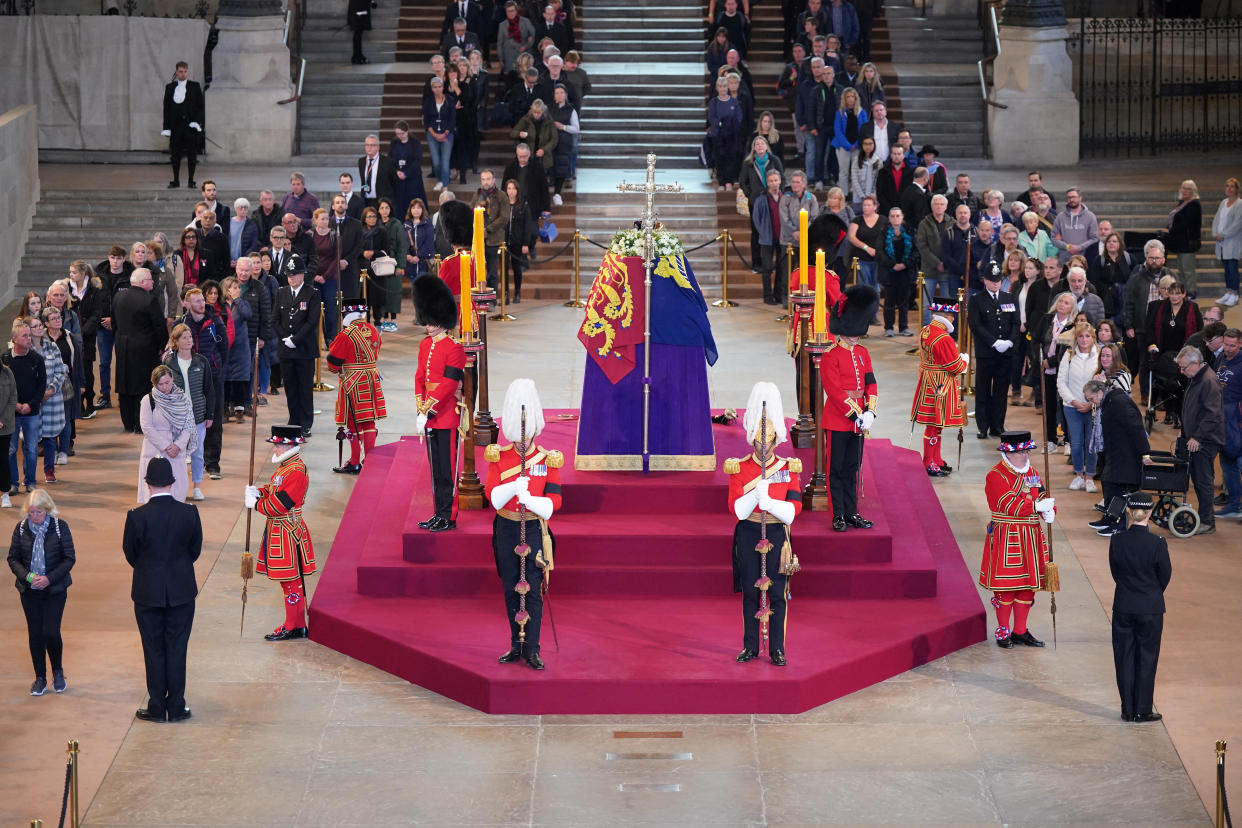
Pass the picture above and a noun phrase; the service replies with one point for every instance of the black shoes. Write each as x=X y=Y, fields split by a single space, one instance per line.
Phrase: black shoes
x=1147 y=717
x=149 y=715
x=534 y=661
x=1102 y=523
x=1005 y=643
x=517 y=297
x=180 y=717
x=946 y=468
x=423 y=524
x=103 y=402
x=358 y=60
x=192 y=184
x=1026 y=638
x=932 y=471
x=838 y=524
x=515 y=653
x=778 y=658
x=981 y=435
x=745 y=656
x=283 y=634
x=349 y=468
x=857 y=521
x=439 y=524
x=172 y=185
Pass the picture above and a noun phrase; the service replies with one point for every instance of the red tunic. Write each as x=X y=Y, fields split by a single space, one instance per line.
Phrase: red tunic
x=1015 y=551
x=441 y=369
x=937 y=398
x=354 y=354
x=833 y=285
x=281 y=501
x=849 y=385
x=783 y=484
x=543 y=467
x=450 y=272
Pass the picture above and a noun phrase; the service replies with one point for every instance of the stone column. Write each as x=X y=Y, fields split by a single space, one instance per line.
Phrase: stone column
x=1033 y=78
x=250 y=73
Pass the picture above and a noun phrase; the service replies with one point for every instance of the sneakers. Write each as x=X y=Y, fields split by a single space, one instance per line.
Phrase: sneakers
x=6 y=502
x=906 y=332
x=1229 y=299
x=557 y=200
x=1091 y=487
x=1109 y=531
x=198 y=493
x=1206 y=529
x=1068 y=450
x=58 y=681
x=1102 y=523
x=49 y=475
x=438 y=187
x=1077 y=484
x=214 y=474
x=62 y=458
x=890 y=332
x=1230 y=513
x=1052 y=448
x=39 y=687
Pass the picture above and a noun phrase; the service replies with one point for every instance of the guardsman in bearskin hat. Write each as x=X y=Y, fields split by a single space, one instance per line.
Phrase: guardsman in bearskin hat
x=458 y=221
x=524 y=487
x=437 y=392
x=765 y=495
x=286 y=554
x=850 y=401
x=938 y=397
x=827 y=233
x=1015 y=552
x=354 y=355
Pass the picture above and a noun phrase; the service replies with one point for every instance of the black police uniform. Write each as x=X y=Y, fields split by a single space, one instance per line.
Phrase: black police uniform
x=1139 y=561
x=992 y=319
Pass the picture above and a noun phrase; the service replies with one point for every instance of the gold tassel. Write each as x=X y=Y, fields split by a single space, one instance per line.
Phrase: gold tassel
x=247 y=566
x=1051 y=579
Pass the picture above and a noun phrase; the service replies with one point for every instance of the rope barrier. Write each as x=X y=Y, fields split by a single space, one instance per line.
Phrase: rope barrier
x=64 y=798
x=533 y=262
x=1223 y=818
x=745 y=263
x=594 y=242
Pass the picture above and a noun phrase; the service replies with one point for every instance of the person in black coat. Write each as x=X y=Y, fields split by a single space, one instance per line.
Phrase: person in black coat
x=42 y=581
x=358 y=18
x=1139 y=562
x=992 y=315
x=521 y=234
x=532 y=181
x=162 y=540
x=86 y=299
x=297 y=325
x=378 y=173
x=183 y=122
x=1125 y=447
x=141 y=333
x=893 y=179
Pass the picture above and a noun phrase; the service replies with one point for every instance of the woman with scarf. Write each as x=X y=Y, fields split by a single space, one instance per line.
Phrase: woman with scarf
x=898 y=260
x=40 y=556
x=70 y=347
x=168 y=430
x=724 y=134
x=193 y=375
x=52 y=411
x=1170 y=322
x=752 y=184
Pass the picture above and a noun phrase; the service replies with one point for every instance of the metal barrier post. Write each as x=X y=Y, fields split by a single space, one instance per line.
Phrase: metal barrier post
x=1220 y=776
x=320 y=385
x=854 y=273
x=73 y=783
x=577 y=302
x=788 y=314
x=502 y=315
x=723 y=301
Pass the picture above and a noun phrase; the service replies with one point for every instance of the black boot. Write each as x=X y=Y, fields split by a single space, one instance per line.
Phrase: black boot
x=534 y=661
x=515 y=653
x=745 y=656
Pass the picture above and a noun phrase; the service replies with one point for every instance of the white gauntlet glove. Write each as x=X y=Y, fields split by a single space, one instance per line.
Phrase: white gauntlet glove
x=420 y=425
x=288 y=342
x=865 y=421
x=167 y=133
x=1047 y=509
x=1002 y=345
x=252 y=496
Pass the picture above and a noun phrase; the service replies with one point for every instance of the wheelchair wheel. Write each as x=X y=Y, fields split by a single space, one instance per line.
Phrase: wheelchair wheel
x=1162 y=510
x=1184 y=521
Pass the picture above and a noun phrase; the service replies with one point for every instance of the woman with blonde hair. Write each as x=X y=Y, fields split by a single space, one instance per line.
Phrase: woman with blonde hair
x=848 y=121
x=1051 y=338
x=1183 y=231
x=1227 y=230
x=1078 y=365
x=870 y=87
x=168 y=430
x=192 y=373
x=40 y=556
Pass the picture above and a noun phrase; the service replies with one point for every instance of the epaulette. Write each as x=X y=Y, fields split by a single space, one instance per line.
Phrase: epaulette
x=555 y=459
x=794 y=464
x=732 y=465
x=492 y=453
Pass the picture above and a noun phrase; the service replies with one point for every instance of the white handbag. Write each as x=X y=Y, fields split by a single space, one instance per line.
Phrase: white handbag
x=383 y=266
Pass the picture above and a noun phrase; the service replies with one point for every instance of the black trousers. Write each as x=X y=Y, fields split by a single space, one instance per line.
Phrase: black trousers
x=43 y=611
x=442 y=450
x=1111 y=490
x=214 y=439
x=299 y=377
x=1052 y=404
x=1136 y=649
x=183 y=144
x=492 y=251
x=747 y=560
x=992 y=374
x=845 y=463
x=357 y=44
x=1202 y=477
x=897 y=299
x=128 y=406
x=165 y=635
x=505 y=538
x=88 y=363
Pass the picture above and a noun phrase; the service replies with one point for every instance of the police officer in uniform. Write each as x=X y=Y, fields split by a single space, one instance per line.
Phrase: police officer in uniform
x=298 y=307
x=994 y=322
x=1139 y=561
x=437 y=393
x=765 y=495
x=523 y=485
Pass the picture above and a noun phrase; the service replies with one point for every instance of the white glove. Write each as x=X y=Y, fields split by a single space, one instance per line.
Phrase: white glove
x=420 y=427
x=865 y=421
x=541 y=506
x=1049 y=517
x=1002 y=345
x=744 y=505
x=194 y=125
x=288 y=342
x=503 y=493
x=167 y=133
x=522 y=484
x=782 y=510
x=1045 y=504
x=761 y=489
x=966 y=360
x=252 y=496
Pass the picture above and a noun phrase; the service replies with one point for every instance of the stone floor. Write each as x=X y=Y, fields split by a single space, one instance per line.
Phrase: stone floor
x=298 y=734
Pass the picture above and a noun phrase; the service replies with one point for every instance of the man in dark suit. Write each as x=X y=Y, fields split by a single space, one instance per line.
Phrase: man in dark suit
x=347 y=238
x=881 y=130
x=460 y=37
x=994 y=321
x=298 y=306
x=183 y=122
x=522 y=95
x=354 y=201
x=1141 y=569
x=466 y=10
x=162 y=541
x=893 y=179
x=378 y=173
x=549 y=26
x=141 y=332
x=1127 y=446
x=916 y=200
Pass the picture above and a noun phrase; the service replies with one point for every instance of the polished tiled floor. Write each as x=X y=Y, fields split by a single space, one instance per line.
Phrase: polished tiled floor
x=296 y=734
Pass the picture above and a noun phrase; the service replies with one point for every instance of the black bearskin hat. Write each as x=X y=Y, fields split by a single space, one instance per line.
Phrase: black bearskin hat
x=853 y=312
x=434 y=302
x=458 y=221
x=827 y=233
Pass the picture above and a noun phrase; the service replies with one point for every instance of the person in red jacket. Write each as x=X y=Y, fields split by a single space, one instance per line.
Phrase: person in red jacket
x=437 y=394
x=1015 y=552
x=938 y=397
x=524 y=487
x=765 y=496
x=286 y=554
x=458 y=221
x=354 y=354
x=849 y=401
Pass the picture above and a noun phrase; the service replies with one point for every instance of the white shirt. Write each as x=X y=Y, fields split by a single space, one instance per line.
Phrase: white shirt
x=881 y=139
x=184 y=365
x=179 y=92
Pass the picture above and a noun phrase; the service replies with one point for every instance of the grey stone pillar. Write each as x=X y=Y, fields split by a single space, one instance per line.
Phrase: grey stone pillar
x=1034 y=78
x=250 y=73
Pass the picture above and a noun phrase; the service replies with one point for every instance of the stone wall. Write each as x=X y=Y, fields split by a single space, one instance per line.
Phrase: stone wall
x=19 y=190
x=145 y=8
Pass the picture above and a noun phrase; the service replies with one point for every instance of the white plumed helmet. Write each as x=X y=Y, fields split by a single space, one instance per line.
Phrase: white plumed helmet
x=521 y=392
x=761 y=393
